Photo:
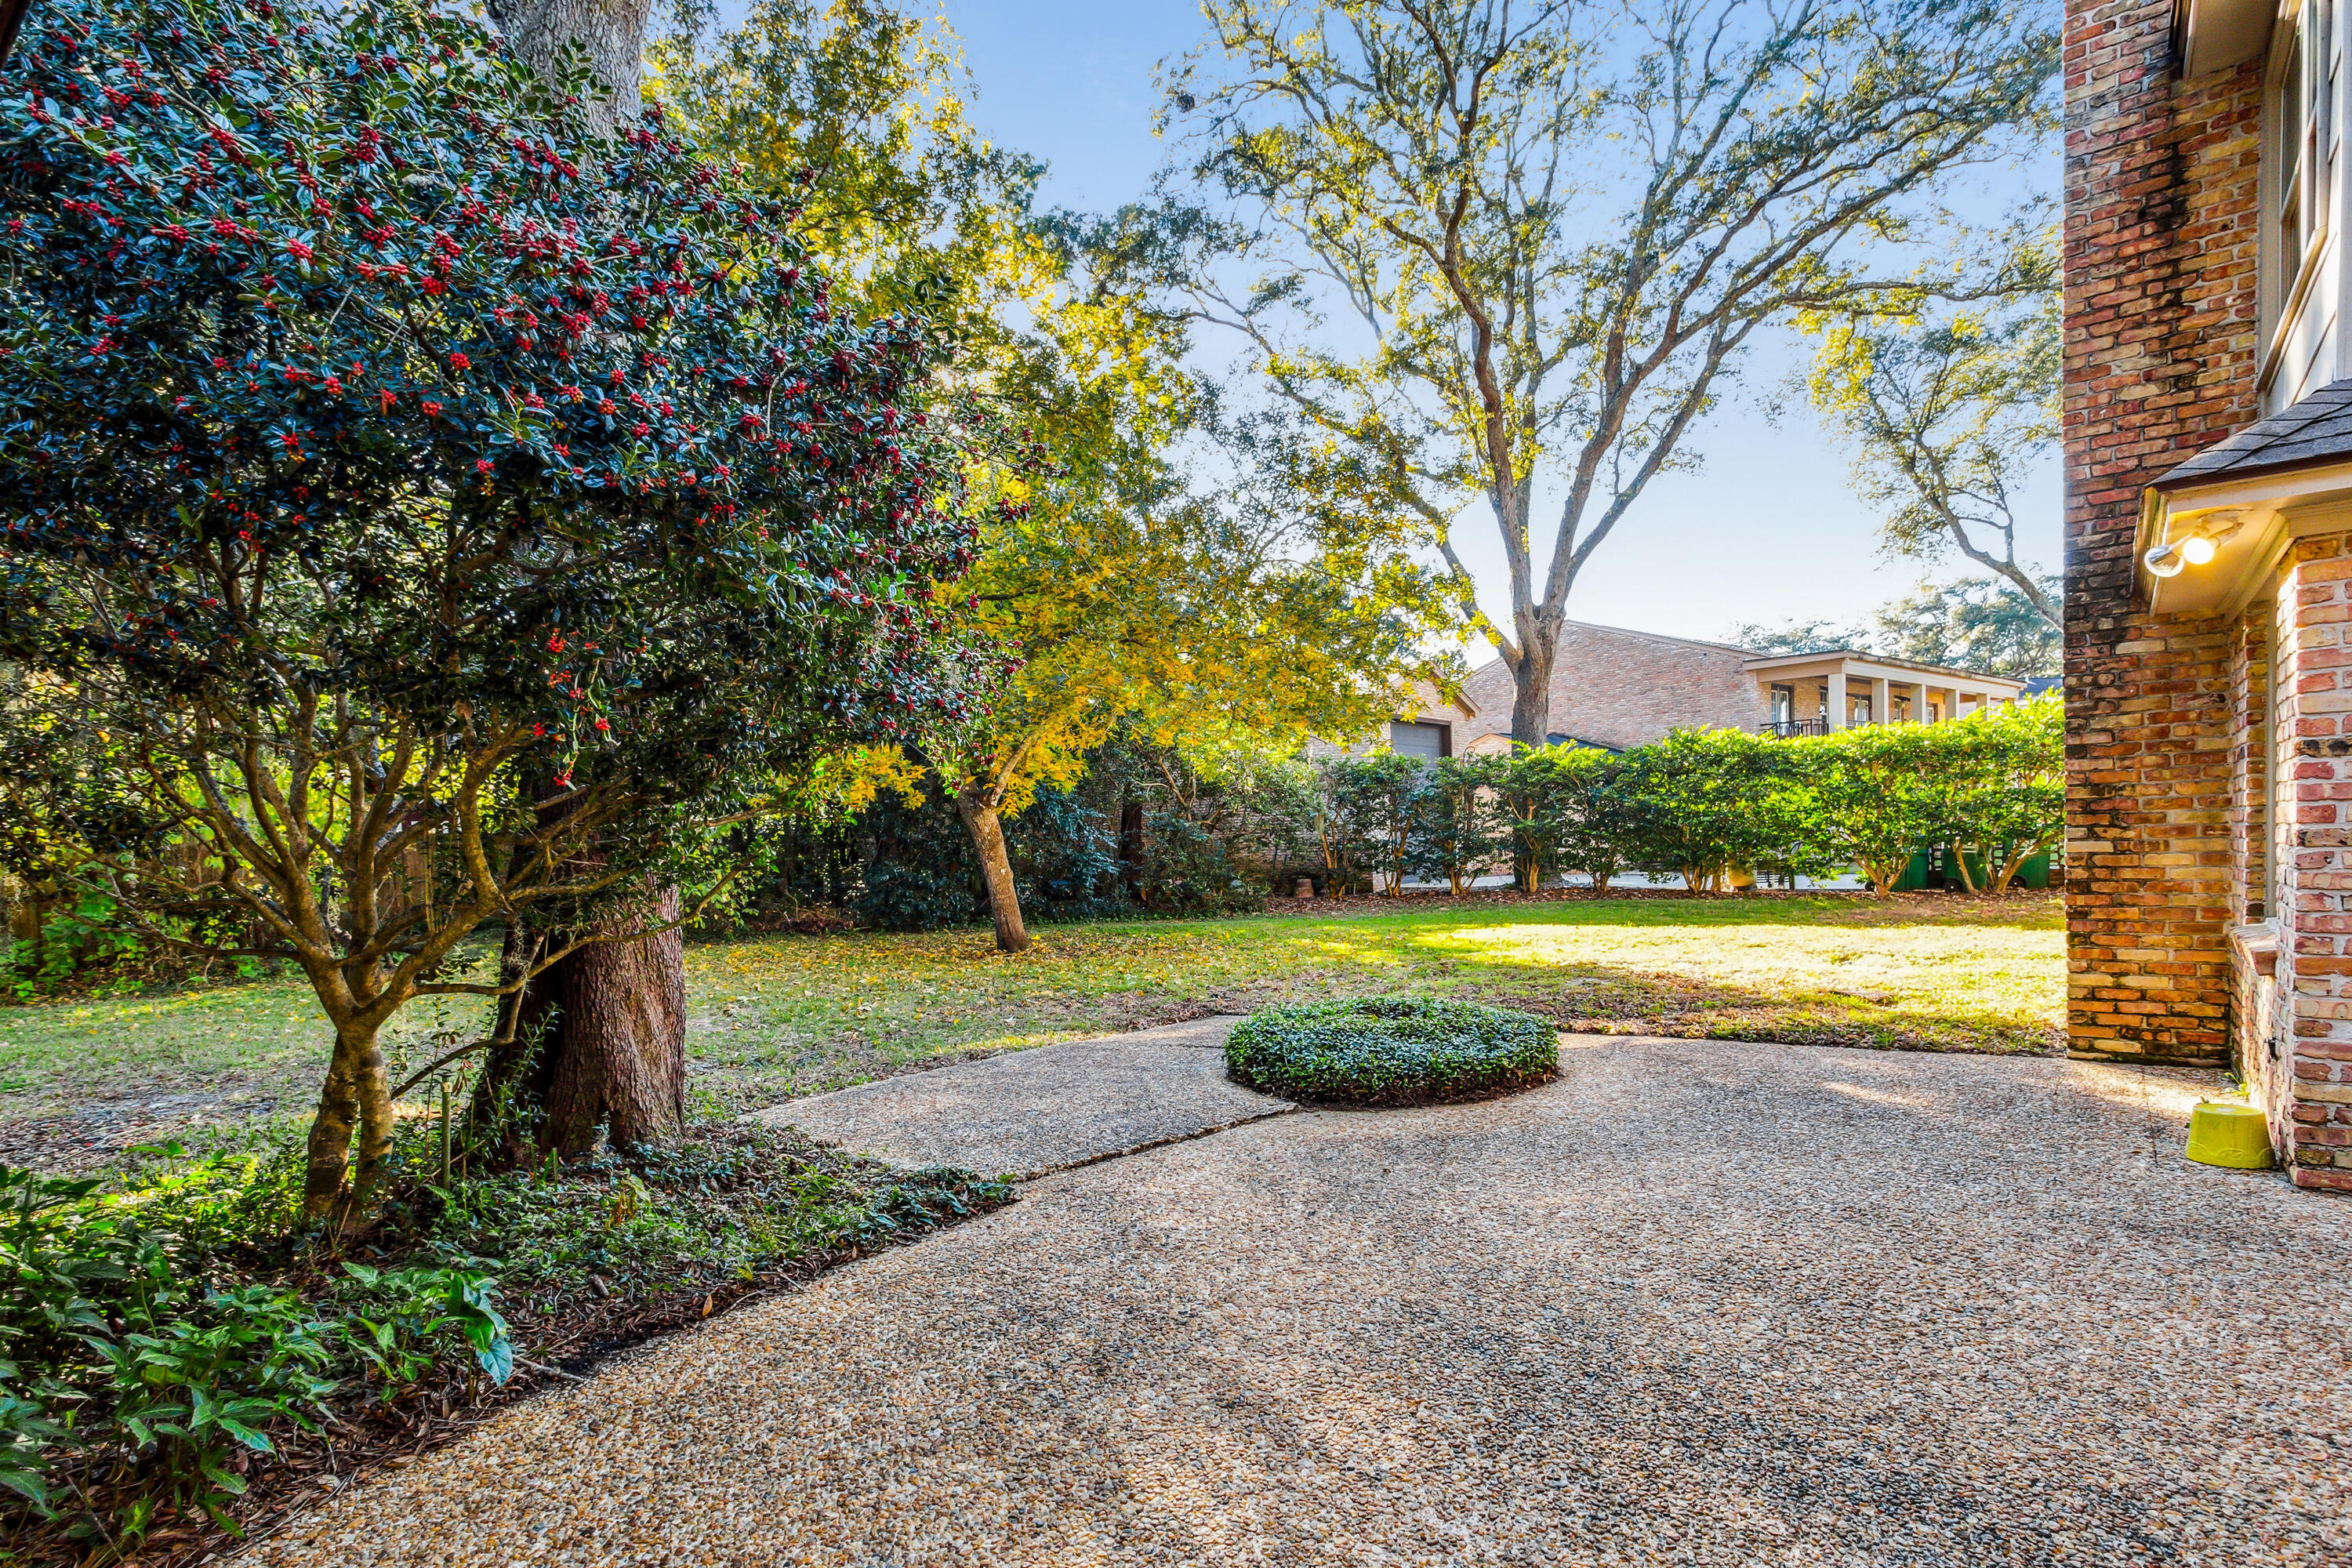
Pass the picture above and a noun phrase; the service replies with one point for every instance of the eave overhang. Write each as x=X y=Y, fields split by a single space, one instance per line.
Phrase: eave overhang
x=2250 y=517
x=2210 y=35
x=2287 y=474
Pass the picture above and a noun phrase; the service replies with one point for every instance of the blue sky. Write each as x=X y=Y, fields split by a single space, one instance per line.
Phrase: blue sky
x=1767 y=531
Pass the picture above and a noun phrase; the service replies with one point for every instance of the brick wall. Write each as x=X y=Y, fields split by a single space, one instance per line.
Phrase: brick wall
x=2249 y=766
x=2261 y=1039
x=2308 y=1084
x=1620 y=687
x=2160 y=253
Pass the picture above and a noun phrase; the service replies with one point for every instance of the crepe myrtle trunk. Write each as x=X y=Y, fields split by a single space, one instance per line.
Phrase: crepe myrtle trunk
x=976 y=803
x=355 y=1107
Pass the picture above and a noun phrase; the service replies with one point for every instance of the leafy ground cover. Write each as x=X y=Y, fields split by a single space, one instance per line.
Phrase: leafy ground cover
x=776 y=1017
x=181 y=1359
x=1392 y=1050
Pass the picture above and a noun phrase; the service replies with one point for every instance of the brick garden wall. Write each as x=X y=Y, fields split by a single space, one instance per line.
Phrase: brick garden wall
x=2160 y=253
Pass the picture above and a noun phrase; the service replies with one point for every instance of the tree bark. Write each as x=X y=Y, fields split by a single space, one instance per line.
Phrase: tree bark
x=980 y=820
x=610 y=32
x=1531 y=688
x=354 y=1105
x=610 y=1023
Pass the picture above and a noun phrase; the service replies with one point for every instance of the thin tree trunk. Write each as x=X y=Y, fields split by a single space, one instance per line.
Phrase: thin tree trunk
x=509 y=1083
x=354 y=1106
x=980 y=820
x=1130 y=848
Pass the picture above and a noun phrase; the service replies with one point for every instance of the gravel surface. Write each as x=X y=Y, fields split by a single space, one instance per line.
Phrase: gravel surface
x=1046 y=1108
x=1693 y=1302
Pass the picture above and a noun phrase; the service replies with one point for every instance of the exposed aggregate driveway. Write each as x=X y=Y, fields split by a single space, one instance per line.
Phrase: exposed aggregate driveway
x=1024 y=1113
x=1695 y=1302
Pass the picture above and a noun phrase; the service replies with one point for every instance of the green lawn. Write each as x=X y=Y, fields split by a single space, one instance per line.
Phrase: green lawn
x=776 y=1017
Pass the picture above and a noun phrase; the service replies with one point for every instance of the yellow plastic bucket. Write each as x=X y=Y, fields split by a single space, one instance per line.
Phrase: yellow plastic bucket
x=2233 y=1136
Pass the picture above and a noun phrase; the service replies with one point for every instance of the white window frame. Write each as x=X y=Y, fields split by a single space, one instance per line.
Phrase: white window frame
x=2299 y=142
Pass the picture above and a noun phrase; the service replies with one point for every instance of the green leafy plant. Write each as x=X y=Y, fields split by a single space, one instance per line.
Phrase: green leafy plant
x=74 y=940
x=1376 y=798
x=1392 y=1050
x=116 y=1360
x=2011 y=800
x=1457 y=828
x=26 y=1430
x=190 y=1389
x=1873 y=792
x=402 y=1317
x=363 y=401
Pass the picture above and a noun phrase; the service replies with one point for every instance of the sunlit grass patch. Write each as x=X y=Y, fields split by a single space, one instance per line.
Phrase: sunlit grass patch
x=774 y=1017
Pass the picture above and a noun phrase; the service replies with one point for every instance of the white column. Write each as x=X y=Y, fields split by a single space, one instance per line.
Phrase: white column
x=1835 y=681
x=1881 y=711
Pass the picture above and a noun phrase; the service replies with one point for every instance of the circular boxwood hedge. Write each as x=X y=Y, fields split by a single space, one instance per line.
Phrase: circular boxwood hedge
x=1390 y=1050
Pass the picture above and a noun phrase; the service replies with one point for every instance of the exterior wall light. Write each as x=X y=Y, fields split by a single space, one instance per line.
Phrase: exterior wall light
x=2195 y=550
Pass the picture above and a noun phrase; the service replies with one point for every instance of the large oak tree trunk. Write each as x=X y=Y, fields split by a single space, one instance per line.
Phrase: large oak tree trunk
x=610 y=32
x=603 y=1033
x=980 y=820
x=601 y=1041
x=1531 y=688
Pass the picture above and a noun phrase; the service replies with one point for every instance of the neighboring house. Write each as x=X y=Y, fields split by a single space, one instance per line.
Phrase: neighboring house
x=2208 y=426
x=1616 y=689
x=1429 y=724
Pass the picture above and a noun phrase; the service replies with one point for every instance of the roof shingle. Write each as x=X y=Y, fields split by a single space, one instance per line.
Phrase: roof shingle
x=2307 y=434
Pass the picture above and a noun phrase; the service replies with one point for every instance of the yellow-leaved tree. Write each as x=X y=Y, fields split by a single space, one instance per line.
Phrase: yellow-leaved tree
x=1146 y=554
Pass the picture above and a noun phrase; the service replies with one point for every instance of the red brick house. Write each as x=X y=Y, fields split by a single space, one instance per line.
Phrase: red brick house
x=1617 y=689
x=2209 y=553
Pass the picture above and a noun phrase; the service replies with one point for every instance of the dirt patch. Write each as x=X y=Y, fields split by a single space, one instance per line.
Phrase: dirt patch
x=88 y=1137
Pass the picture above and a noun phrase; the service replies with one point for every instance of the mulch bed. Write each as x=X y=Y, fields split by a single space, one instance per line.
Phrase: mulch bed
x=566 y=1343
